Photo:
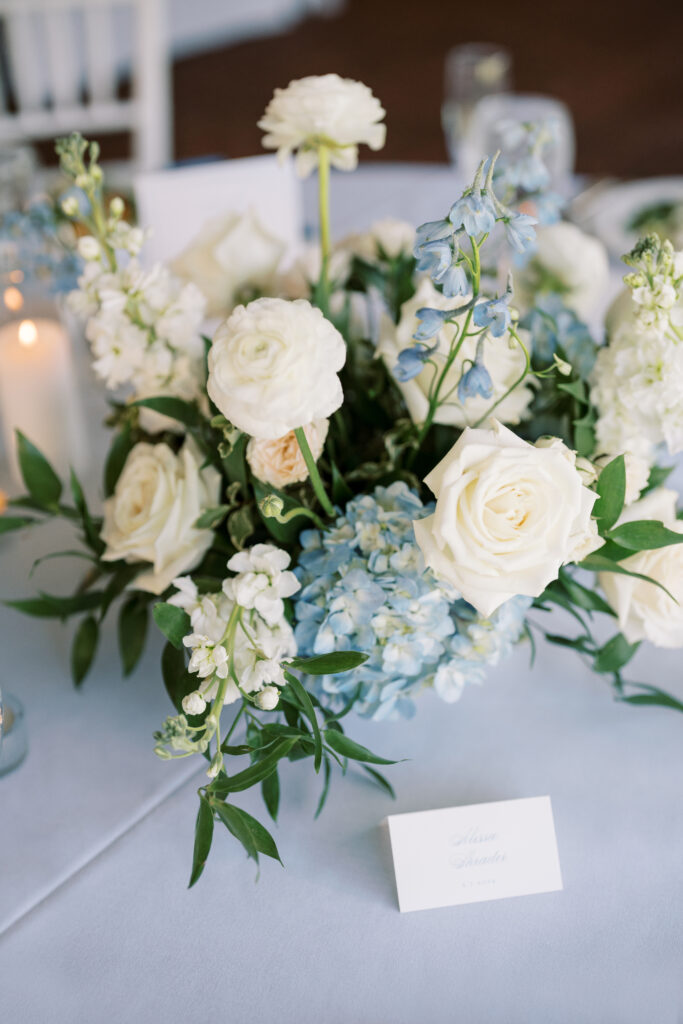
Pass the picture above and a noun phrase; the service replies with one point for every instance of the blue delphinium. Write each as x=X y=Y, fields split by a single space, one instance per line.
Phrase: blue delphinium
x=411 y=362
x=494 y=314
x=365 y=587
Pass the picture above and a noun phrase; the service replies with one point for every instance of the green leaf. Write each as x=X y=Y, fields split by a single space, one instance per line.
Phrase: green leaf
x=118 y=453
x=587 y=599
x=173 y=622
x=611 y=488
x=255 y=773
x=40 y=478
x=308 y=709
x=177 y=680
x=119 y=580
x=658 y=476
x=83 y=649
x=615 y=654
x=212 y=517
x=380 y=780
x=132 y=632
x=203 y=836
x=329 y=664
x=575 y=388
x=49 y=606
x=176 y=408
x=241 y=525
x=651 y=695
x=341 y=744
x=8 y=523
x=595 y=563
x=234 y=464
x=327 y=773
x=75 y=553
x=644 y=535
x=90 y=531
x=270 y=791
x=253 y=836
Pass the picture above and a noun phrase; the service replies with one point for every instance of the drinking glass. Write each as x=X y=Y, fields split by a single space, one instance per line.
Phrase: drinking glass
x=473 y=71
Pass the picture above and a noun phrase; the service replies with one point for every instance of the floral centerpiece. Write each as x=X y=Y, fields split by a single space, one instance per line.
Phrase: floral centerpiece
x=375 y=479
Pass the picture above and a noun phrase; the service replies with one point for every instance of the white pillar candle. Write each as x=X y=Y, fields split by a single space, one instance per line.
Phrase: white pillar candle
x=38 y=394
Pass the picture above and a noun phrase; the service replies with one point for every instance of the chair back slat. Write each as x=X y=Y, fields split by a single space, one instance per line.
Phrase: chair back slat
x=100 y=58
x=26 y=69
x=64 y=68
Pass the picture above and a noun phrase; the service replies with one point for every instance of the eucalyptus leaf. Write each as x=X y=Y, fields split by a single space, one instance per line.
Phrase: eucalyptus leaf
x=329 y=664
x=173 y=622
x=203 y=836
x=341 y=744
x=83 y=649
x=41 y=481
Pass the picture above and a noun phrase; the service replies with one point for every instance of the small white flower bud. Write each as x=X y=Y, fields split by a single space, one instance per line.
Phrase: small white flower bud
x=117 y=206
x=268 y=698
x=561 y=365
x=271 y=505
x=587 y=471
x=83 y=181
x=70 y=206
x=215 y=766
x=89 y=247
x=194 y=703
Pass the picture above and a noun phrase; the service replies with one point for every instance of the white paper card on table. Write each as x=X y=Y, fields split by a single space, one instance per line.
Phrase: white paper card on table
x=490 y=851
x=179 y=202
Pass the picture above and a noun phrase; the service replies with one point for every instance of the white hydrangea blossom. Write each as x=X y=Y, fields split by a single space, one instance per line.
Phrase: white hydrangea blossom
x=637 y=378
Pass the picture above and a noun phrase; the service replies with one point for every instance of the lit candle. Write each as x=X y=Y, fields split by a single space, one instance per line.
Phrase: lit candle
x=38 y=393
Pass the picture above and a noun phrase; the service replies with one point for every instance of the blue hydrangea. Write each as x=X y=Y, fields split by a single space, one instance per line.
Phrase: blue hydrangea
x=30 y=241
x=365 y=587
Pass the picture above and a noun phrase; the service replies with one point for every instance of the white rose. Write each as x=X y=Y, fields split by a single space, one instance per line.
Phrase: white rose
x=570 y=262
x=280 y=462
x=151 y=515
x=504 y=360
x=645 y=611
x=230 y=254
x=323 y=110
x=273 y=367
x=508 y=515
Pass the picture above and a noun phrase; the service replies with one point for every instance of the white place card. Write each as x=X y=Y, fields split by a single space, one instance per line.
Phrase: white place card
x=469 y=854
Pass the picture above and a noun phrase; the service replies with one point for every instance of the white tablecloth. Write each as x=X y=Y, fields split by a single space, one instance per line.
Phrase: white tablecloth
x=96 y=838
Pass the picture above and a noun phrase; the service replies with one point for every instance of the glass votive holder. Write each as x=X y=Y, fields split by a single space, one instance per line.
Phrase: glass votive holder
x=472 y=71
x=13 y=738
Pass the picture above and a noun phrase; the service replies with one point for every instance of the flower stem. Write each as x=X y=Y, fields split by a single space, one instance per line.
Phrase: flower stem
x=318 y=486
x=324 y=218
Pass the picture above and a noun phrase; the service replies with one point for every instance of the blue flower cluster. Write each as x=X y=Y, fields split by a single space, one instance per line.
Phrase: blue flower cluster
x=30 y=241
x=555 y=328
x=365 y=587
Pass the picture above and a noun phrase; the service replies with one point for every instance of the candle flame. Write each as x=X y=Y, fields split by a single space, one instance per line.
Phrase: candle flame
x=28 y=333
x=16 y=276
x=13 y=298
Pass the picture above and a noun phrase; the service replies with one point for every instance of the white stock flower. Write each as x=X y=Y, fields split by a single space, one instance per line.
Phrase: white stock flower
x=89 y=248
x=323 y=110
x=229 y=254
x=279 y=462
x=209 y=613
x=207 y=659
x=259 y=650
x=262 y=581
x=194 y=703
x=151 y=515
x=644 y=610
x=569 y=262
x=508 y=515
x=273 y=367
x=504 y=360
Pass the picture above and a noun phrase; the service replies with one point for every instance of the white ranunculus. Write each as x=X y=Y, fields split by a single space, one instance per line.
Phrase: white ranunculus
x=645 y=611
x=570 y=262
x=151 y=515
x=323 y=110
x=504 y=360
x=389 y=236
x=280 y=462
x=273 y=366
x=228 y=255
x=508 y=515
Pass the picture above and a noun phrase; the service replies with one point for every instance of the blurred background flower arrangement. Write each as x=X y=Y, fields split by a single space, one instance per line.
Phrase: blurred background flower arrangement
x=342 y=478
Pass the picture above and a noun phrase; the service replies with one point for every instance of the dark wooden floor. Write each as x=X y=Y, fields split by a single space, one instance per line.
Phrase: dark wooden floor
x=617 y=65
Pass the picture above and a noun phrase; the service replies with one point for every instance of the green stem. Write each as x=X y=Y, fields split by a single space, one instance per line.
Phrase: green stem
x=523 y=374
x=324 y=206
x=316 y=480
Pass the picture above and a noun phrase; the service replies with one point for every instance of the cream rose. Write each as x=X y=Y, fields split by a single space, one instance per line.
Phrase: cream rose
x=151 y=515
x=570 y=262
x=228 y=255
x=273 y=367
x=323 y=110
x=508 y=515
x=645 y=611
x=503 y=358
x=280 y=462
